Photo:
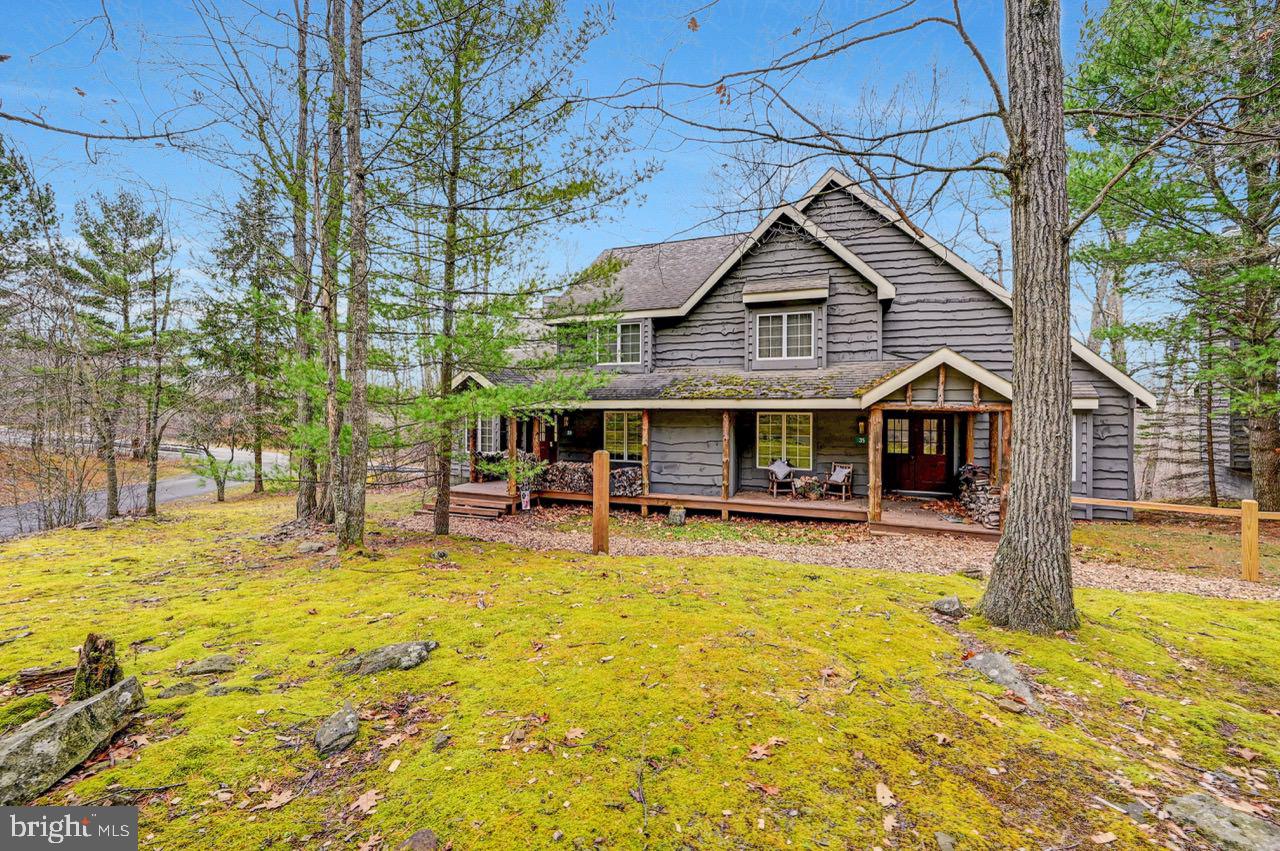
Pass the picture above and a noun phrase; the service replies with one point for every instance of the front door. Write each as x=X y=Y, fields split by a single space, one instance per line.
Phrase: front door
x=917 y=451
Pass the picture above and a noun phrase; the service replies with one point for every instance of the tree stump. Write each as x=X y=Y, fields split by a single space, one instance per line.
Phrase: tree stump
x=97 y=668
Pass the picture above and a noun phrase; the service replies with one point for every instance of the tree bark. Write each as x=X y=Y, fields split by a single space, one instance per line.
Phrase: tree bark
x=444 y=440
x=306 y=501
x=335 y=474
x=107 y=450
x=351 y=531
x=1030 y=587
x=1264 y=437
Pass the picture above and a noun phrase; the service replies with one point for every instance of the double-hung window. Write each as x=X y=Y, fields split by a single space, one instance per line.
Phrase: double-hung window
x=488 y=434
x=621 y=344
x=622 y=435
x=782 y=336
x=783 y=435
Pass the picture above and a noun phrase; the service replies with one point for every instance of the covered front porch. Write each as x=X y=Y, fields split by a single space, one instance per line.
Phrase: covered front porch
x=896 y=516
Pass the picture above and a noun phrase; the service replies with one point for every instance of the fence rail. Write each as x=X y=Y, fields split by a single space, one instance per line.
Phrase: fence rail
x=1250 y=545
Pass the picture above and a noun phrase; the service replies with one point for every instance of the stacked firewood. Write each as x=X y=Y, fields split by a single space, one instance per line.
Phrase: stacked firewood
x=575 y=477
x=979 y=497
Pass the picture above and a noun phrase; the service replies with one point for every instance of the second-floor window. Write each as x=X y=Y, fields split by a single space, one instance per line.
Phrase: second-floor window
x=621 y=344
x=782 y=336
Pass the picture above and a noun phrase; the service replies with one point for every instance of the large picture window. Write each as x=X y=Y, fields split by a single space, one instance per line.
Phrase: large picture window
x=621 y=344
x=782 y=336
x=788 y=436
x=622 y=435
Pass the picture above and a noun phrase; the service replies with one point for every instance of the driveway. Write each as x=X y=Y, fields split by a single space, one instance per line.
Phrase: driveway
x=15 y=520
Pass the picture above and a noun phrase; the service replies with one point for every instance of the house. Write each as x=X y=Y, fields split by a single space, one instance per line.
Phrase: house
x=832 y=332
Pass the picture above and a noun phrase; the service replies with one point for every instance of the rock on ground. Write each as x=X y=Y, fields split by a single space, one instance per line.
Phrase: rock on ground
x=218 y=663
x=177 y=690
x=1222 y=826
x=338 y=731
x=950 y=606
x=398 y=657
x=422 y=840
x=39 y=754
x=997 y=668
x=307 y=547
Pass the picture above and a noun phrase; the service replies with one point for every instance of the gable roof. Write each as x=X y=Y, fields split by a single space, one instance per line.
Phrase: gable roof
x=1079 y=349
x=669 y=279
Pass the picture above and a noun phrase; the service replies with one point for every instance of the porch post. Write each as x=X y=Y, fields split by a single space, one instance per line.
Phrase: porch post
x=512 y=456
x=726 y=420
x=473 y=473
x=644 y=461
x=968 y=438
x=875 y=431
x=993 y=444
x=1006 y=444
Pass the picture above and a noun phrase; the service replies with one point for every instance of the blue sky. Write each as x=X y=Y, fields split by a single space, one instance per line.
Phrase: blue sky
x=137 y=75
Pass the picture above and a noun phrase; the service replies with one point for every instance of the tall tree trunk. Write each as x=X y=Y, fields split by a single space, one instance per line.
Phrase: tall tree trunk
x=1264 y=458
x=334 y=502
x=444 y=438
x=306 y=501
x=1030 y=587
x=107 y=449
x=351 y=531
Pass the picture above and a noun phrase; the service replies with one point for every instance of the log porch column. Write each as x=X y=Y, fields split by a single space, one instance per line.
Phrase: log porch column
x=726 y=424
x=644 y=460
x=875 y=434
x=512 y=456
x=1006 y=445
x=993 y=445
x=473 y=473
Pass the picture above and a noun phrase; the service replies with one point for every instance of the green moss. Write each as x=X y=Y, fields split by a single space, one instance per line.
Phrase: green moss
x=20 y=710
x=671 y=668
x=1196 y=546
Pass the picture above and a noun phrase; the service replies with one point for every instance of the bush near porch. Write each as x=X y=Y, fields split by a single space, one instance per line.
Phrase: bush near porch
x=628 y=702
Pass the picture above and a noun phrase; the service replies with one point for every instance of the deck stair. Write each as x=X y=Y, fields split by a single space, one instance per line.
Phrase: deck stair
x=481 y=504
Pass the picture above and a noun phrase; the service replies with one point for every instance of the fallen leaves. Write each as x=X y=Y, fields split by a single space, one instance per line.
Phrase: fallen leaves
x=763 y=788
x=884 y=796
x=574 y=734
x=276 y=801
x=765 y=749
x=366 y=802
x=1103 y=838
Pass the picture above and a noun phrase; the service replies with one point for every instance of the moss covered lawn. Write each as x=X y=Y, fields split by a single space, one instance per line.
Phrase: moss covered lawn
x=626 y=702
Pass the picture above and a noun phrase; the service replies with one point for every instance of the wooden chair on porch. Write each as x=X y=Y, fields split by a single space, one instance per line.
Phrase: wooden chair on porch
x=839 y=480
x=781 y=477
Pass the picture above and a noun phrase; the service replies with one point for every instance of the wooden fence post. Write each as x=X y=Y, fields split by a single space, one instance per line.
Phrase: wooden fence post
x=600 y=502
x=1250 y=559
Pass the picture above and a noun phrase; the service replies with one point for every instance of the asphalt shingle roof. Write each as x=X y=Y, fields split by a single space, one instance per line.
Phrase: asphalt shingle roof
x=833 y=382
x=659 y=276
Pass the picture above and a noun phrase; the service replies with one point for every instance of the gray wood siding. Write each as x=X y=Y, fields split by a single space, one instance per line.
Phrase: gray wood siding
x=685 y=452
x=714 y=333
x=936 y=305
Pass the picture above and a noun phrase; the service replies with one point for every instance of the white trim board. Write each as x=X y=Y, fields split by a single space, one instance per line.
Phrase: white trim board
x=472 y=374
x=926 y=365
x=958 y=263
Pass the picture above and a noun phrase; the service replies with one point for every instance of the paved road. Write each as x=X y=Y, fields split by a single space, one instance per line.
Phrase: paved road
x=24 y=518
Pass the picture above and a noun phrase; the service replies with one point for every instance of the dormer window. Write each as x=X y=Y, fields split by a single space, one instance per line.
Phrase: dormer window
x=621 y=345
x=784 y=336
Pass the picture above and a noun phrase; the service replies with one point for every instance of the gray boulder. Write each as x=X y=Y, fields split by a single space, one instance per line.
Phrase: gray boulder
x=219 y=690
x=997 y=668
x=218 y=663
x=393 y=657
x=950 y=606
x=946 y=842
x=1222 y=826
x=308 y=547
x=422 y=840
x=338 y=731
x=39 y=754
x=676 y=516
x=177 y=690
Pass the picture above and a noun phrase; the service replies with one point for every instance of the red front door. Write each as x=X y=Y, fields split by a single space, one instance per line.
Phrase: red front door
x=917 y=451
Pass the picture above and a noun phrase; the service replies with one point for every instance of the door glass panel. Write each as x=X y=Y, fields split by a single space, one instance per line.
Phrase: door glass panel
x=932 y=436
x=898 y=436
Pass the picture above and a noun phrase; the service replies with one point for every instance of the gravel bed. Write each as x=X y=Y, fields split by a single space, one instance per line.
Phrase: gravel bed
x=932 y=554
